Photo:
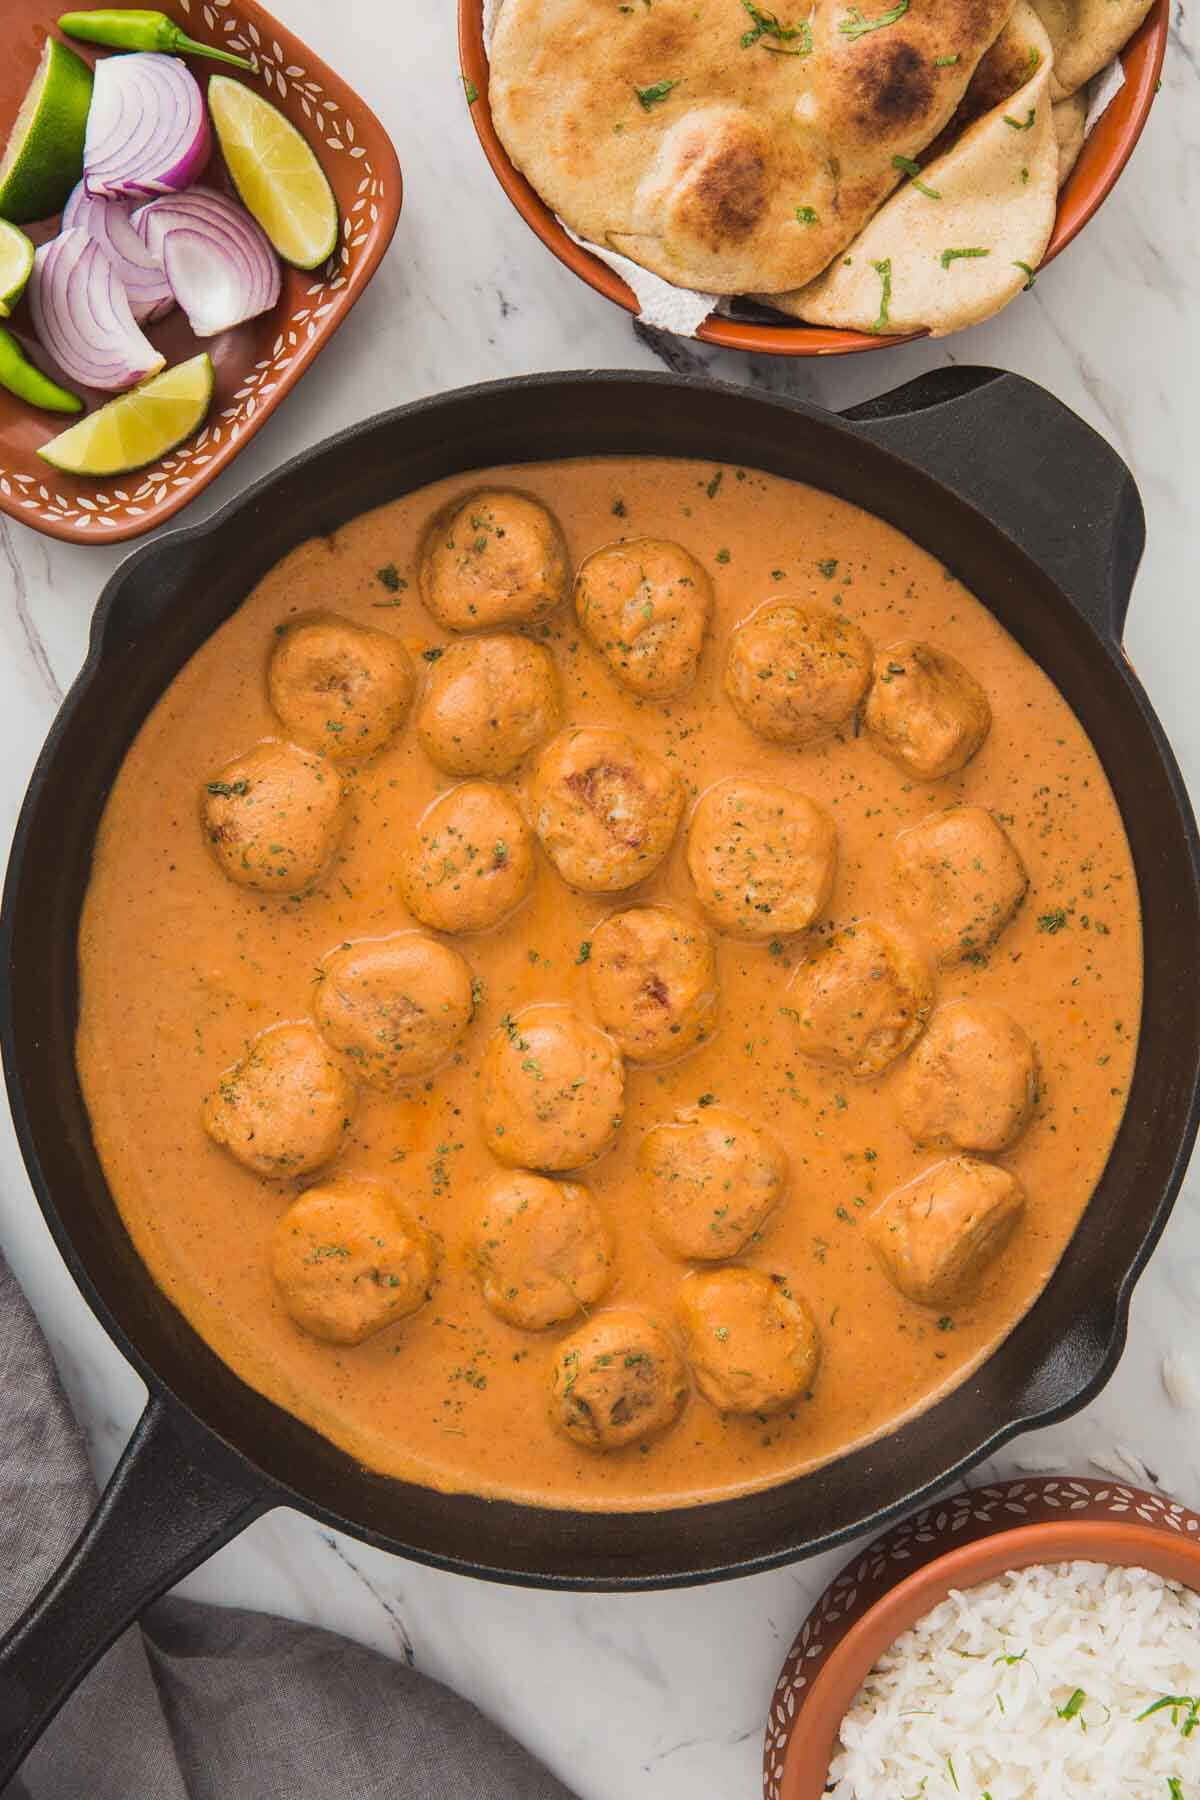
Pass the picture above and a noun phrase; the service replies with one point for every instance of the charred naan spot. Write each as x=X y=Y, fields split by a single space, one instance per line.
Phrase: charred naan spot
x=895 y=87
x=730 y=189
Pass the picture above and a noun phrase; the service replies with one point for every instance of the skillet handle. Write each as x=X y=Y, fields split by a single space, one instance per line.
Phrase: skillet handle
x=1030 y=465
x=174 y=1498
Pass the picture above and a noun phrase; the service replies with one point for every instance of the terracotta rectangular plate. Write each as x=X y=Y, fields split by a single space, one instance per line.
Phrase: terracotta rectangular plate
x=257 y=363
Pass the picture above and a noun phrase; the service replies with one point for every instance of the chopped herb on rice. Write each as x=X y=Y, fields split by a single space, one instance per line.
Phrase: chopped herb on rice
x=1070 y=1679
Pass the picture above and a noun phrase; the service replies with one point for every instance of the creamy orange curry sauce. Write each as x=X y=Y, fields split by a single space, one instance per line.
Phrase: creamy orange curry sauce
x=890 y=1068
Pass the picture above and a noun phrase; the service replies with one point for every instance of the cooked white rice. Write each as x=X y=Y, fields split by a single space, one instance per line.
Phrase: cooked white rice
x=1031 y=1687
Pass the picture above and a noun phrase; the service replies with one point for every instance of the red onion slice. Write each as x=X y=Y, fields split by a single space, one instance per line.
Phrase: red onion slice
x=223 y=270
x=139 y=270
x=82 y=317
x=147 y=130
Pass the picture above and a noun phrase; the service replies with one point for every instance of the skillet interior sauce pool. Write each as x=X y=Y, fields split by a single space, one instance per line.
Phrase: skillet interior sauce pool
x=181 y=967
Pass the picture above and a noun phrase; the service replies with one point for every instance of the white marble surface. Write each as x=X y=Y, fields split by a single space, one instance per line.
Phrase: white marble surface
x=676 y=1685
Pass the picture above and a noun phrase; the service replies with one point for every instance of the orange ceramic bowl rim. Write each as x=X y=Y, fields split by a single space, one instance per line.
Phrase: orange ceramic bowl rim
x=1170 y=1550
x=1101 y=161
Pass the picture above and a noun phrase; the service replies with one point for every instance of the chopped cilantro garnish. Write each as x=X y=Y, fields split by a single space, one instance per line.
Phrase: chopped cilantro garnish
x=884 y=271
x=855 y=26
x=912 y=169
x=650 y=97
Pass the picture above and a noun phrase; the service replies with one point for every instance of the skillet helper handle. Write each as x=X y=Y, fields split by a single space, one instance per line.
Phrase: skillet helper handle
x=172 y=1501
x=1034 y=468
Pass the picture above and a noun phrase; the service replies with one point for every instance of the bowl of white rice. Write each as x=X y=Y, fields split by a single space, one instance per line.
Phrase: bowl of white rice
x=1035 y=1639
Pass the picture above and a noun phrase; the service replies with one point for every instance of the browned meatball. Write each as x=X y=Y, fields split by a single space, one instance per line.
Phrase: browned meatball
x=751 y=1341
x=860 y=1000
x=494 y=557
x=712 y=1180
x=925 y=711
x=937 y=1236
x=553 y=1090
x=274 y=817
x=645 y=605
x=653 y=980
x=960 y=881
x=971 y=1081
x=543 y=1249
x=605 y=809
x=618 y=1380
x=340 y=688
x=763 y=858
x=348 y=1260
x=796 y=672
x=284 y=1109
x=472 y=863
x=395 y=1007
x=489 y=702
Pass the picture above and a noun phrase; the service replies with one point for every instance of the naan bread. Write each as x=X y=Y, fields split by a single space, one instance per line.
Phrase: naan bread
x=724 y=146
x=1002 y=71
x=1070 y=116
x=1086 y=35
x=954 y=245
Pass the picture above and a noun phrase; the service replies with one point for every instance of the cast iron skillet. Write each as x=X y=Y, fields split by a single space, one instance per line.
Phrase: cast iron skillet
x=1042 y=521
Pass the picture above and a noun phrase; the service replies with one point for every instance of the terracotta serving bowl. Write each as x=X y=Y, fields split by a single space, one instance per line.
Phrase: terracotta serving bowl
x=1103 y=157
x=964 y=1540
x=256 y=364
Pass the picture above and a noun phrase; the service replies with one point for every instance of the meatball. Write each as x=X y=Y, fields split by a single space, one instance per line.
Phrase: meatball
x=971 y=1081
x=338 y=687
x=274 y=817
x=494 y=557
x=762 y=857
x=925 y=711
x=284 y=1109
x=472 y=863
x=488 y=703
x=395 y=1007
x=553 y=1090
x=605 y=809
x=751 y=1341
x=960 y=881
x=618 y=1380
x=860 y=1000
x=348 y=1260
x=936 y=1236
x=645 y=605
x=653 y=980
x=543 y=1249
x=712 y=1180
x=796 y=672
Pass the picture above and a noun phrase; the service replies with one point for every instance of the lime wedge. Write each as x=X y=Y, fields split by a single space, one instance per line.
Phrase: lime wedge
x=16 y=260
x=277 y=177
x=44 y=156
x=138 y=427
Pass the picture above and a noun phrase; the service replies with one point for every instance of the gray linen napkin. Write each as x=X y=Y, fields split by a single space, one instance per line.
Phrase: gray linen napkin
x=211 y=1703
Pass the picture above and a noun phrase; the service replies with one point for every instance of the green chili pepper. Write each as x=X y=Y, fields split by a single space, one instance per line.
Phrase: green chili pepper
x=129 y=28
x=26 y=381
